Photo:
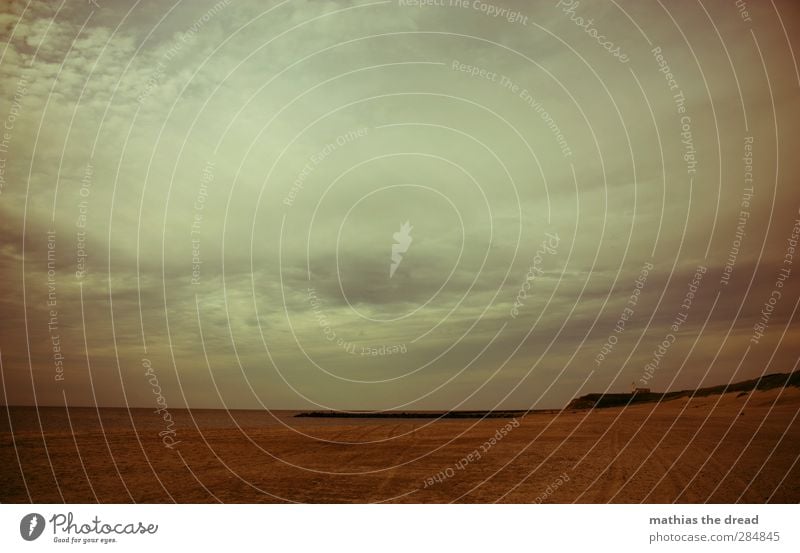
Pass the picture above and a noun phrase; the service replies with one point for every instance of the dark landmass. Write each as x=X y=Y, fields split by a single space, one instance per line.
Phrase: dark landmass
x=588 y=401
x=424 y=414
x=766 y=382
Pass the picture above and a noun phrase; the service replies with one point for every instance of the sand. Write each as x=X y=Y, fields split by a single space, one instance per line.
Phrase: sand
x=724 y=449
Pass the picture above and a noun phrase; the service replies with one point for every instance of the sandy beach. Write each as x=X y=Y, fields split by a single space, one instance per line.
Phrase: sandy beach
x=735 y=447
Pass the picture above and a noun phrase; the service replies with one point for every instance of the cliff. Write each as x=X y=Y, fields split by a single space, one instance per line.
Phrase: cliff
x=766 y=382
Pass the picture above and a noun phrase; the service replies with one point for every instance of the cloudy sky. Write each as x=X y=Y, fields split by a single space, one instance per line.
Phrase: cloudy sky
x=214 y=189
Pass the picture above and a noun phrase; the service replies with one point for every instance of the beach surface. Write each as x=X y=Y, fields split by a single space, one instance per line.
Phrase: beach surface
x=728 y=448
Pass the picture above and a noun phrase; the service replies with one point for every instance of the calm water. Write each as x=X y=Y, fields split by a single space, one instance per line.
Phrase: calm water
x=88 y=419
x=83 y=419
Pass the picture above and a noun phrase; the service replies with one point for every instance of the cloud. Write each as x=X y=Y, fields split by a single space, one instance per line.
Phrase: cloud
x=215 y=162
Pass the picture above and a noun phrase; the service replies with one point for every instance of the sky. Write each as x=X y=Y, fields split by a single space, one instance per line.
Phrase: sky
x=386 y=205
